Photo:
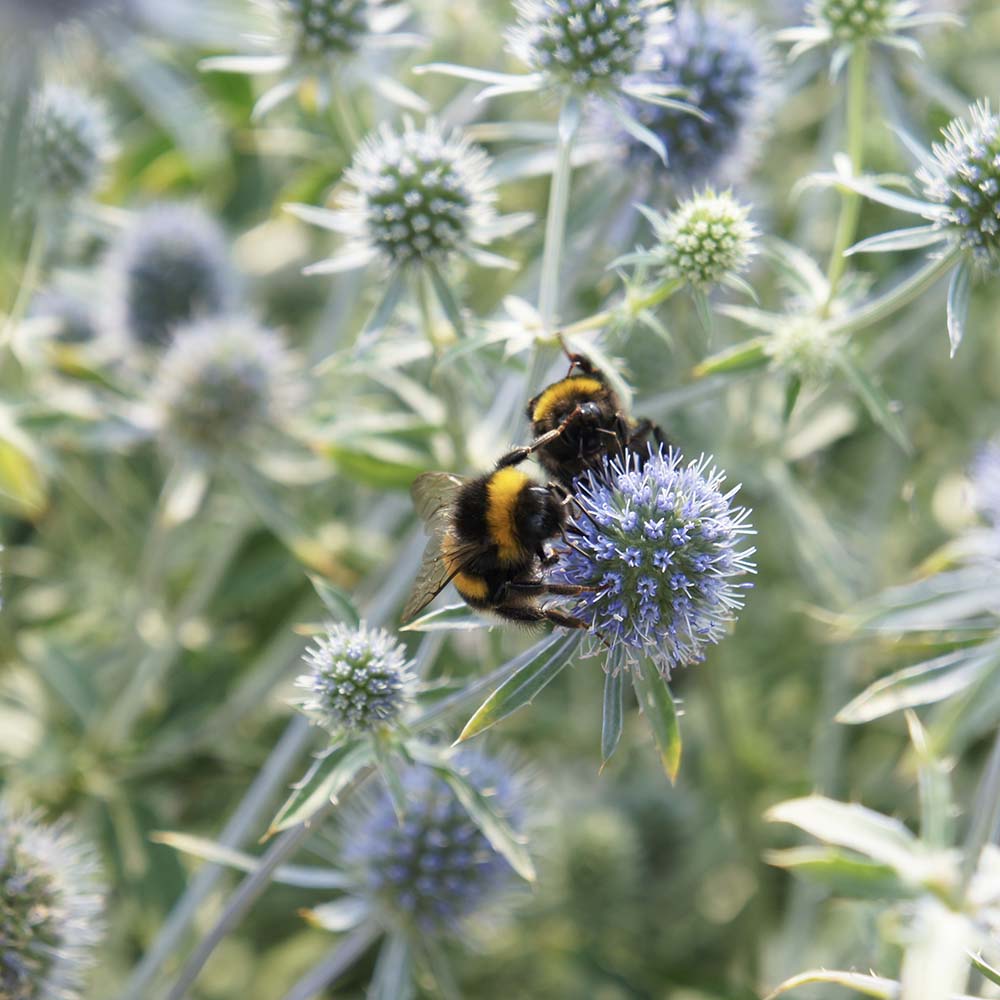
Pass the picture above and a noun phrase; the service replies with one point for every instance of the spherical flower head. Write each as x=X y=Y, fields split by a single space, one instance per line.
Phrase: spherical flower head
x=802 y=346
x=587 y=45
x=965 y=178
x=705 y=240
x=420 y=195
x=359 y=678
x=661 y=542
x=51 y=903
x=221 y=381
x=853 y=20
x=172 y=266
x=67 y=145
x=985 y=474
x=325 y=27
x=723 y=63
x=435 y=868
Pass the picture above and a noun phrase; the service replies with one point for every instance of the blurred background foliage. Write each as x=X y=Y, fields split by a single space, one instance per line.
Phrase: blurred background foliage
x=150 y=634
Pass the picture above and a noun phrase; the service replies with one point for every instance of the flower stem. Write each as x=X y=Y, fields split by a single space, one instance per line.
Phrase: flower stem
x=850 y=206
x=630 y=307
x=337 y=962
x=903 y=294
x=555 y=222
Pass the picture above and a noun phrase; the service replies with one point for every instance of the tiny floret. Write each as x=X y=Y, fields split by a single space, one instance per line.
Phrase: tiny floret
x=661 y=542
x=358 y=679
x=964 y=178
x=724 y=66
x=705 y=240
x=67 y=146
x=420 y=195
x=585 y=45
x=853 y=20
x=326 y=27
x=172 y=266
x=51 y=905
x=435 y=868
x=221 y=382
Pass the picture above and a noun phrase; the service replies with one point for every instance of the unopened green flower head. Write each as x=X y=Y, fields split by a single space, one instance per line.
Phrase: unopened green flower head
x=51 y=904
x=964 y=177
x=419 y=195
x=584 y=44
x=222 y=381
x=67 y=145
x=359 y=678
x=706 y=239
x=802 y=346
x=853 y=20
x=326 y=27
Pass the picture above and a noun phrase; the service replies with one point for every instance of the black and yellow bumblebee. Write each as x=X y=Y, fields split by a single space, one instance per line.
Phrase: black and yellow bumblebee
x=489 y=536
x=579 y=420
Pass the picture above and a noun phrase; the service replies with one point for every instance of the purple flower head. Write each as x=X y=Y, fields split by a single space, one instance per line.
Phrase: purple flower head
x=676 y=587
x=434 y=868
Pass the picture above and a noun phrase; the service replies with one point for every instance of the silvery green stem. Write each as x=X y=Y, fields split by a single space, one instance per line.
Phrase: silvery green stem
x=986 y=818
x=284 y=846
x=340 y=959
x=27 y=280
x=247 y=817
x=555 y=222
x=895 y=299
x=850 y=209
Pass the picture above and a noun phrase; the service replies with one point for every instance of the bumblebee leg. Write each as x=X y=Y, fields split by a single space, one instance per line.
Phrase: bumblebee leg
x=518 y=455
x=642 y=430
x=528 y=614
x=540 y=588
x=576 y=360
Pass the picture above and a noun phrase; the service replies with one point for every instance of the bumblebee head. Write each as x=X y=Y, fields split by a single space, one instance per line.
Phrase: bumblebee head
x=547 y=512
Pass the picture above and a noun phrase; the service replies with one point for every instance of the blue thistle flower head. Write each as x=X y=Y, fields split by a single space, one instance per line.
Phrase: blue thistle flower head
x=434 y=869
x=326 y=27
x=51 y=904
x=585 y=45
x=724 y=63
x=172 y=266
x=359 y=678
x=964 y=177
x=67 y=145
x=663 y=544
x=221 y=382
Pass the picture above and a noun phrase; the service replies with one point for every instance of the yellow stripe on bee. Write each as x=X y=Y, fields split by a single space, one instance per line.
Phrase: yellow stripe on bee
x=502 y=491
x=471 y=588
x=561 y=392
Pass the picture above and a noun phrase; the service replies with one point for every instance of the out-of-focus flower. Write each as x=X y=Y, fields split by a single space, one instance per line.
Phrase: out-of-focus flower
x=359 y=678
x=804 y=347
x=221 y=382
x=51 y=904
x=47 y=15
x=317 y=41
x=662 y=543
x=64 y=317
x=170 y=267
x=724 y=65
x=846 y=23
x=985 y=474
x=434 y=868
x=67 y=145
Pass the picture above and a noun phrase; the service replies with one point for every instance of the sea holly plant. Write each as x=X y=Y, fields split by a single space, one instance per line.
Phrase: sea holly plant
x=322 y=42
x=659 y=544
x=951 y=610
x=416 y=199
x=944 y=894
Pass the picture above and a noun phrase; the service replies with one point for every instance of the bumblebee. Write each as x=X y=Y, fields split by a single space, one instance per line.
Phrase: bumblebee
x=488 y=536
x=579 y=420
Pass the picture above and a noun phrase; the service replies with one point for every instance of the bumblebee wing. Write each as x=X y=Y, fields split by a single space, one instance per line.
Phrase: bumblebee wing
x=436 y=572
x=433 y=494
